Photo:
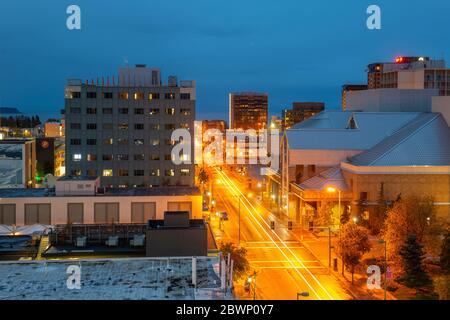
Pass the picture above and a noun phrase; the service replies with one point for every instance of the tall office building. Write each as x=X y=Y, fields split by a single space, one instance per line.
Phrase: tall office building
x=121 y=131
x=300 y=111
x=248 y=110
x=410 y=73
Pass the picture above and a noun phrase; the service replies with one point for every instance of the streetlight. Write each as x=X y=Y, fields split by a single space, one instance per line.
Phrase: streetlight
x=385 y=265
x=252 y=279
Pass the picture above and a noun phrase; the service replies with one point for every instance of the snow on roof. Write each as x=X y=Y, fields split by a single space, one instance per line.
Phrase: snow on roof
x=110 y=279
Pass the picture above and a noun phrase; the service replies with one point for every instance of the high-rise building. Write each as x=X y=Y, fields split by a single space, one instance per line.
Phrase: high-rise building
x=301 y=111
x=248 y=110
x=347 y=88
x=410 y=73
x=122 y=131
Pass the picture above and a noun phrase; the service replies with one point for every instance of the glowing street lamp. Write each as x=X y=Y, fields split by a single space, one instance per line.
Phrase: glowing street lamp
x=333 y=190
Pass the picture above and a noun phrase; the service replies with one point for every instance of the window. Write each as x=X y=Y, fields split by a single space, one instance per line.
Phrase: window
x=141 y=212
x=153 y=96
x=107 y=126
x=154 y=111
x=107 y=157
x=154 y=126
x=75 y=95
x=139 y=111
x=122 y=142
x=75 y=126
x=184 y=172
x=91 y=157
x=107 y=95
x=169 y=126
x=138 y=96
x=91 y=95
x=123 y=96
x=123 y=126
x=154 y=157
x=8 y=214
x=106 y=213
x=75 y=110
x=179 y=206
x=75 y=212
x=154 y=172
x=363 y=196
x=169 y=173
x=169 y=96
x=91 y=172
x=167 y=157
x=123 y=173
x=38 y=213
x=138 y=173
x=170 y=111
x=139 y=157
x=76 y=157
x=91 y=142
x=155 y=142
x=91 y=110
x=75 y=172
x=108 y=141
x=139 y=142
x=91 y=126
x=123 y=110
x=138 y=126
x=184 y=125
x=107 y=173
x=185 y=112
x=185 y=96
x=170 y=142
x=107 y=111
x=75 y=142
x=122 y=157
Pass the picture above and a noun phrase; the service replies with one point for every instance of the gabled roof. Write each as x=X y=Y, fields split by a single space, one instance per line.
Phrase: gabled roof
x=425 y=141
x=329 y=178
x=329 y=130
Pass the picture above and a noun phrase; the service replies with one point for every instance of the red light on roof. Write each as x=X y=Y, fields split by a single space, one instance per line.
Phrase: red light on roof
x=399 y=60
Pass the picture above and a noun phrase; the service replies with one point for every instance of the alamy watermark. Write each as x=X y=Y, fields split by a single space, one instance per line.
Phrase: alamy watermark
x=237 y=147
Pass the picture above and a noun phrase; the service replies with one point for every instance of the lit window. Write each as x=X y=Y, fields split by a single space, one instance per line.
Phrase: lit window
x=138 y=96
x=123 y=96
x=77 y=157
x=184 y=172
x=170 y=173
x=170 y=111
x=107 y=173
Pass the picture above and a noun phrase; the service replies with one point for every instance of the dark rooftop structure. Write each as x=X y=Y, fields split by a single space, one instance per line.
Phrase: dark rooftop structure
x=77 y=178
x=176 y=236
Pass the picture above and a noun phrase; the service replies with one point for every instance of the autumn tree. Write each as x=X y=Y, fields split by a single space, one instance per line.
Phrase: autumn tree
x=353 y=244
x=379 y=215
x=412 y=255
x=444 y=257
x=239 y=257
x=411 y=215
x=324 y=215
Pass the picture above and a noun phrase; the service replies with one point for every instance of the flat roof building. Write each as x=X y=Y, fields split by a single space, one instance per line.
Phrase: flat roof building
x=122 y=131
x=300 y=111
x=248 y=110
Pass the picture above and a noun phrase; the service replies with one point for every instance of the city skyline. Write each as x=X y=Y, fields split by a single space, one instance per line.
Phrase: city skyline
x=230 y=49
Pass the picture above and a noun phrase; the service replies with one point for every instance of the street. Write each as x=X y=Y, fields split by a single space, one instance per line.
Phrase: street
x=284 y=266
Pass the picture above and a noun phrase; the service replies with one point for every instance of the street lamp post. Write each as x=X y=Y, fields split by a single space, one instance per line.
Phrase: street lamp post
x=252 y=280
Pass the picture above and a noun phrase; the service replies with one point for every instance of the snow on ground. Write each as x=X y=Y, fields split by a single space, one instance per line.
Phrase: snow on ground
x=110 y=279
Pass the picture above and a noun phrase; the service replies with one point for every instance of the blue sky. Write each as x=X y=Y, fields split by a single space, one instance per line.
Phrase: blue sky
x=294 y=50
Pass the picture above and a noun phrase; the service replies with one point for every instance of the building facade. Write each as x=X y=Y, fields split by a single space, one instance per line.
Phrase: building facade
x=248 y=110
x=123 y=132
x=17 y=163
x=300 y=111
x=348 y=88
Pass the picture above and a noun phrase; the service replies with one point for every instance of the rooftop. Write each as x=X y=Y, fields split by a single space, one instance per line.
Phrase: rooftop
x=329 y=178
x=347 y=130
x=118 y=192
